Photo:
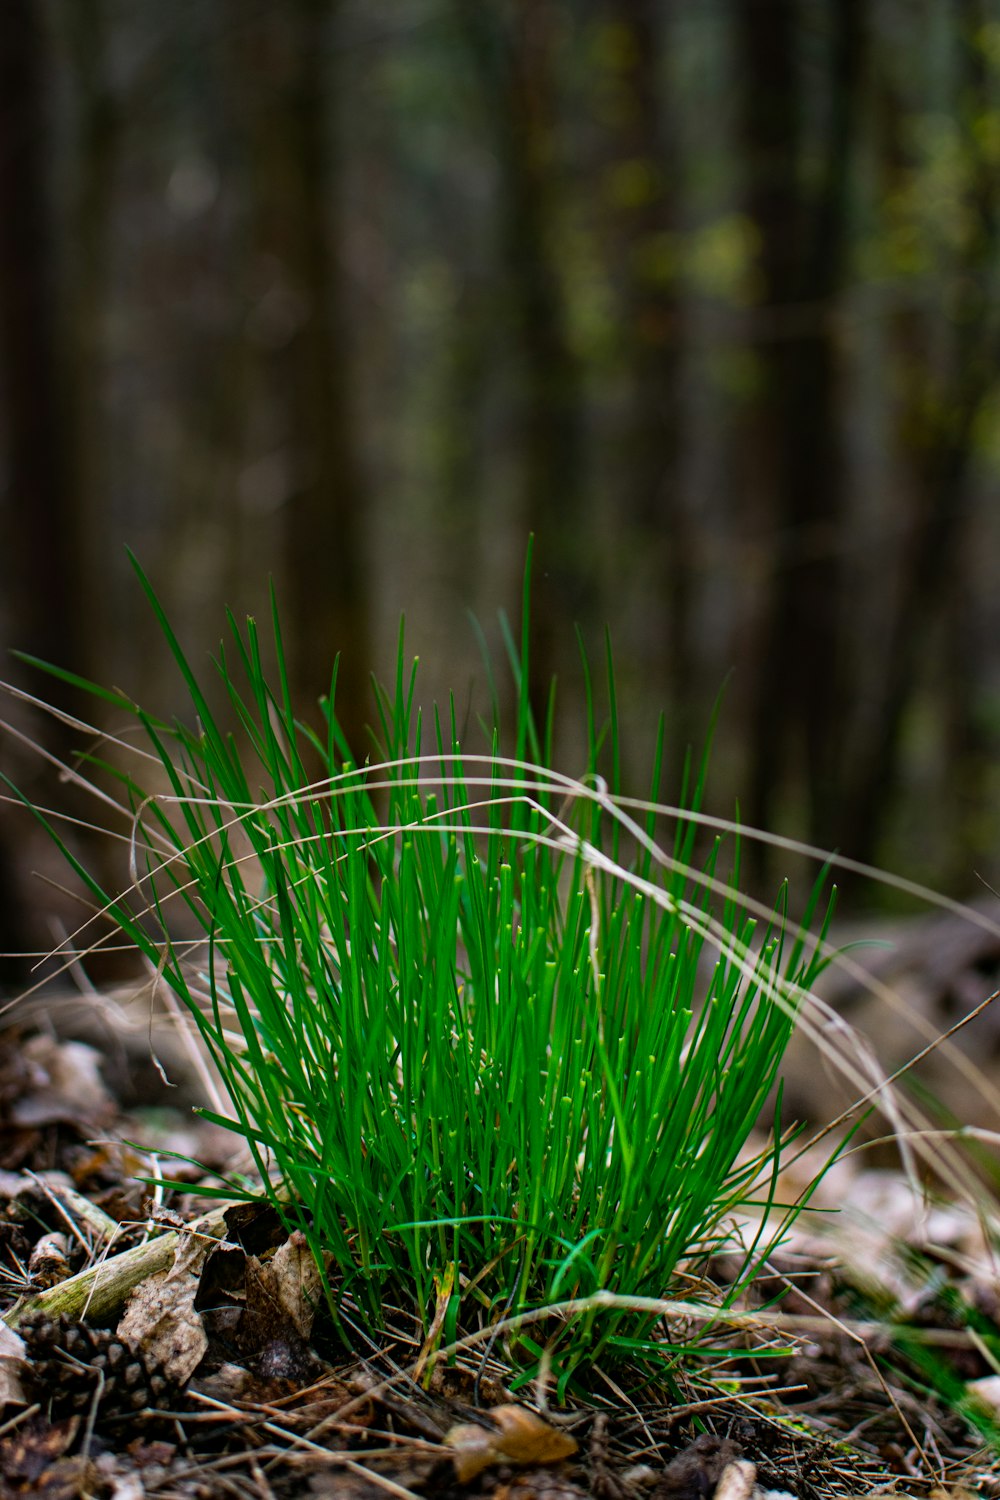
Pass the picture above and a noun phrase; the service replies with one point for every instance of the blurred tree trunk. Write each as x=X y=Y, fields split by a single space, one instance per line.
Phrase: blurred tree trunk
x=459 y=471
x=644 y=156
x=292 y=81
x=43 y=580
x=42 y=583
x=970 y=740
x=97 y=140
x=938 y=420
x=513 y=48
x=799 y=692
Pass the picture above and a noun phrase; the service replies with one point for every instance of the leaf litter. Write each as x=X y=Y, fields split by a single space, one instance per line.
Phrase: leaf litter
x=238 y=1383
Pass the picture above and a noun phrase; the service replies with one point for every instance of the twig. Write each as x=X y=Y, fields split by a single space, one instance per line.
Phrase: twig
x=101 y=1290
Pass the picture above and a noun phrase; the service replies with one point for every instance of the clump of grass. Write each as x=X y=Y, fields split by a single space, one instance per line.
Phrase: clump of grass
x=490 y=1045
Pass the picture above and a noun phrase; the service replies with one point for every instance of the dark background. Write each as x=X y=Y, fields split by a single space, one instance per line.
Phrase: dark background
x=358 y=293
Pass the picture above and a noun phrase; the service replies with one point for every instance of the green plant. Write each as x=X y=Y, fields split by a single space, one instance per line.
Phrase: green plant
x=461 y=1003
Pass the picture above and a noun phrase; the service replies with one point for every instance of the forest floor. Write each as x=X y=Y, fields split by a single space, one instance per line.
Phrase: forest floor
x=875 y=1370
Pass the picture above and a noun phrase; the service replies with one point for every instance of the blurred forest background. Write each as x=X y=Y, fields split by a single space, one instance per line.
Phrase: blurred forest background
x=358 y=293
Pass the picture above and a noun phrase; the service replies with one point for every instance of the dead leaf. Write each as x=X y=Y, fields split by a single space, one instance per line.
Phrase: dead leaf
x=160 y=1318
x=158 y=1453
x=296 y=1281
x=11 y=1367
x=473 y=1449
x=69 y=1087
x=67 y=1479
x=229 y=1383
x=282 y=1296
x=524 y=1438
x=32 y=1460
x=11 y=1389
x=527 y=1439
x=189 y=1257
x=11 y=1343
x=286 y=1288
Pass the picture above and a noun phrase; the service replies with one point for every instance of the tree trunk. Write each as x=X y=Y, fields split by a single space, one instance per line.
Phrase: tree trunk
x=514 y=55
x=296 y=185
x=43 y=544
x=41 y=576
x=651 y=497
x=800 y=685
x=937 y=425
x=98 y=138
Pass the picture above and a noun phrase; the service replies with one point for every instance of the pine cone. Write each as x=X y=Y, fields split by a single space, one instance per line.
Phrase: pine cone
x=67 y=1361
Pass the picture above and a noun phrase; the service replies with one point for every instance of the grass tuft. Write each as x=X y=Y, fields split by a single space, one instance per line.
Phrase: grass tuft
x=491 y=1045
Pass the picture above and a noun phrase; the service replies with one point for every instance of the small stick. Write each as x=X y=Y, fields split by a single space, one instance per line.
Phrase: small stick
x=101 y=1290
x=69 y=1201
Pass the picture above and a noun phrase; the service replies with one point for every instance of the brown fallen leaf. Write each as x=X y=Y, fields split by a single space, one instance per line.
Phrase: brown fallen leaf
x=523 y=1438
x=473 y=1449
x=282 y=1296
x=33 y=1461
x=11 y=1367
x=528 y=1439
x=160 y=1317
x=68 y=1087
x=228 y=1384
x=291 y=1280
